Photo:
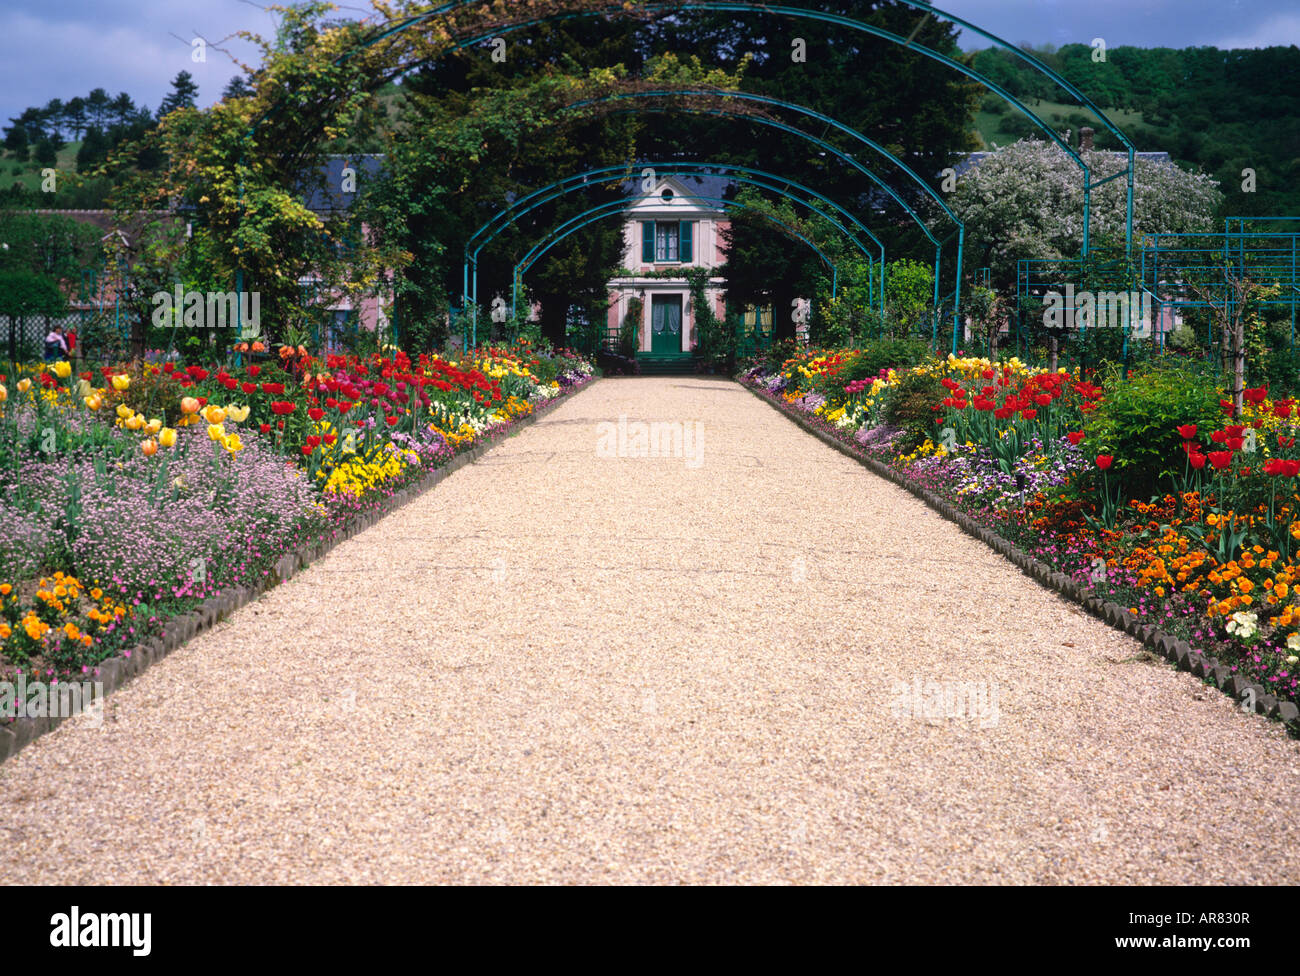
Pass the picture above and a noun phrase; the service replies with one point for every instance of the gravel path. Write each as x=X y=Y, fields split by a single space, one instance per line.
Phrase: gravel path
x=557 y=667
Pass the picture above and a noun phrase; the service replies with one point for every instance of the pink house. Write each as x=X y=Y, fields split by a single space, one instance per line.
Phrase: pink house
x=668 y=229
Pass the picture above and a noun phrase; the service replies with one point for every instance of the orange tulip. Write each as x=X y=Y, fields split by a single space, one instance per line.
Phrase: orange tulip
x=189 y=405
x=149 y=447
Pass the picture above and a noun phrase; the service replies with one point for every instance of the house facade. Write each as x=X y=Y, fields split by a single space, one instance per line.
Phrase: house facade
x=673 y=227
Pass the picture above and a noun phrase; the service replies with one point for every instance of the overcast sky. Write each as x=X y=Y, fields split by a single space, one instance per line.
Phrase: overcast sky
x=63 y=48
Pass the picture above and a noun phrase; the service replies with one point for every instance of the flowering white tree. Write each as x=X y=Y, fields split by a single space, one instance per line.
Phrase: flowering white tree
x=1025 y=200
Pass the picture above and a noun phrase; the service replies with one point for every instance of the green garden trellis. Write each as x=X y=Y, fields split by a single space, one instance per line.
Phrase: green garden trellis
x=850 y=23
x=589 y=178
x=617 y=207
x=827 y=147
x=384 y=32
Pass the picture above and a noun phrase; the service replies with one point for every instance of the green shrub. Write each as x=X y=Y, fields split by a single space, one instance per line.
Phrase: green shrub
x=1137 y=418
x=881 y=354
x=911 y=406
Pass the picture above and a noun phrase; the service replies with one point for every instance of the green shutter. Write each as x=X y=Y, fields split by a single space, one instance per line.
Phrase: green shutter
x=648 y=241
x=686 y=237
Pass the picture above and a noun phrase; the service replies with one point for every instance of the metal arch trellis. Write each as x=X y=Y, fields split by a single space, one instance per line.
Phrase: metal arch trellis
x=831 y=148
x=835 y=151
x=386 y=31
x=590 y=178
x=852 y=23
x=617 y=207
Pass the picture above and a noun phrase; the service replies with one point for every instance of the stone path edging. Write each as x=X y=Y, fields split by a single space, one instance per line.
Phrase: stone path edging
x=116 y=671
x=1178 y=652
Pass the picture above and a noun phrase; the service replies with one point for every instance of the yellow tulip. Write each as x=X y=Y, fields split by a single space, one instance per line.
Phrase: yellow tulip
x=24 y=386
x=121 y=382
x=214 y=414
x=153 y=426
x=216 y=431
x=237 y=414
x=4 y=393
x=135 y=423
x=125 y=412
x=167 y=437
x=189 y=405
x=63 y=370
x=149 y=447
x=94 y=402
x=233 y=444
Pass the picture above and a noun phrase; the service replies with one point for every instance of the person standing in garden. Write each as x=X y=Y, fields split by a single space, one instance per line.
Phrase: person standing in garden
x=56 y=346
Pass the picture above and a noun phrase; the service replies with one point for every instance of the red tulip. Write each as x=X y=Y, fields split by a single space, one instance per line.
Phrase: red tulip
x=1187 y=431
x=1234 y=443
x=1274 y=468
x=1218 y=437
x=1029 y=414
x=392 y=420
x=254 y=370
x=248 y=388
x=1220 y=459
x=306 y=450
x=988 y=374
x=282 y=408
x=264 y=428
x=316 y=413
x=1076 y=437
x=1104 y=461
x=1197 y=460
x=1255 y=395
x=1285 y=441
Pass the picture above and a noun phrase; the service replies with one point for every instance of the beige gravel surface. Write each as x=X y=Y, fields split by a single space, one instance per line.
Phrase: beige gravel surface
x=557 y=667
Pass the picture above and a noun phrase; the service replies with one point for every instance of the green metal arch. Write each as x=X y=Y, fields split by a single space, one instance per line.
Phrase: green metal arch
x=384 y=31
x=735 y=171
x=582 y=181
x=853 y=24
x=823 y=144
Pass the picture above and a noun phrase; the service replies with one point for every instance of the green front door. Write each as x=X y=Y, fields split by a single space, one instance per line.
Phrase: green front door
x=666 y=324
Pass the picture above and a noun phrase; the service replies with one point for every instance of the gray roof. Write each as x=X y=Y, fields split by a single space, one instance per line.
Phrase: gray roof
x=328 y=195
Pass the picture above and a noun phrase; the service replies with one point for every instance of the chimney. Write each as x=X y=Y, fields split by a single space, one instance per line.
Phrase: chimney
x=1085 y=138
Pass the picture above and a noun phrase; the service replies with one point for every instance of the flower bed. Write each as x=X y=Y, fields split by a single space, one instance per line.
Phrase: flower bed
x=132 y=495
x=1047 y=462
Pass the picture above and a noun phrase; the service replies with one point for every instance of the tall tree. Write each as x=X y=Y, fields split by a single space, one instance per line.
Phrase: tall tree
x=75 y=114
x=97 y=107
x=237 y=87
x=121 y=109
x=183 y=94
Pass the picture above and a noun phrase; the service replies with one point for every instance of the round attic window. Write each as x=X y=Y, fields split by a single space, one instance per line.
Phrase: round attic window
x=667 y=195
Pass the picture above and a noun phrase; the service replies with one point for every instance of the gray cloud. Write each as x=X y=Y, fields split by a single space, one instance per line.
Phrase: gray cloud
x=62 y=48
